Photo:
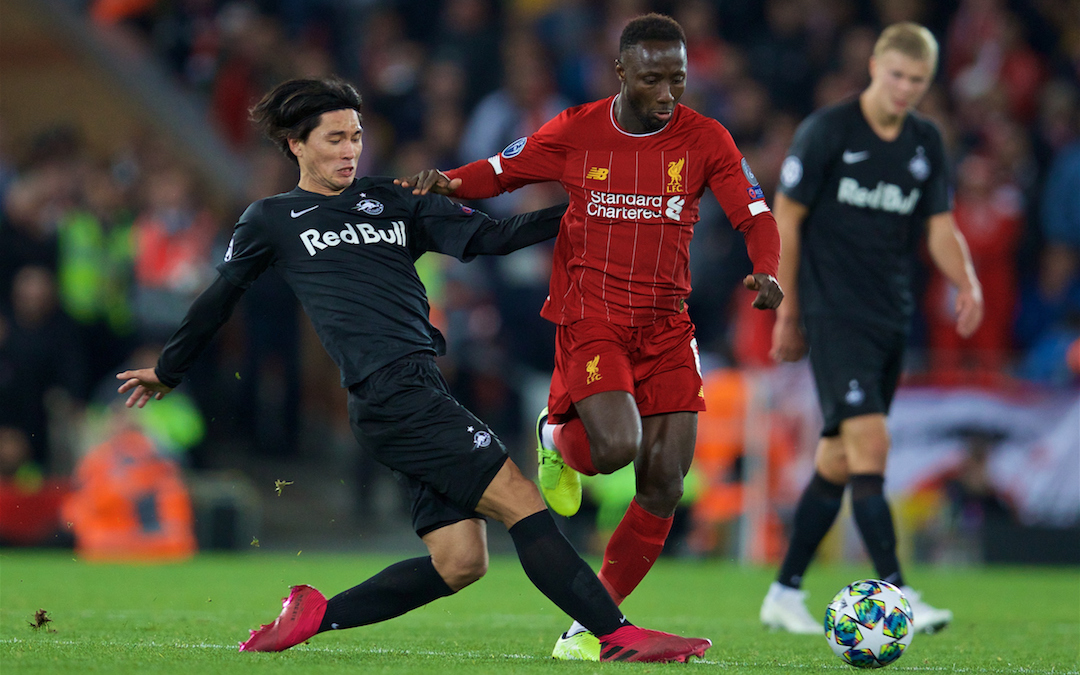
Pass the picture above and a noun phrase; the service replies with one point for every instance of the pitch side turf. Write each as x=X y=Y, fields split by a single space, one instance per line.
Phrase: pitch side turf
x=189 y=618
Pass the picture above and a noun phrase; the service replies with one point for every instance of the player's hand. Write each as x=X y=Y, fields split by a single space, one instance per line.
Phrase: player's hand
x=429 y=180
x=788 y=341
x=768 y=288
x=969 y=311
x=143 y=385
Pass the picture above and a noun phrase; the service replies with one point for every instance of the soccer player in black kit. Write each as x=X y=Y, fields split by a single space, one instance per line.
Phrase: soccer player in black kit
x=346 y=246
x=861 y=181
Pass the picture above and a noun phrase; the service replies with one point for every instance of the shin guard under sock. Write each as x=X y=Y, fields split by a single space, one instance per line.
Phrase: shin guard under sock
x=397 y=589
x=632 y=550
x=874 y=520
x=557 y=570
x=814 y=515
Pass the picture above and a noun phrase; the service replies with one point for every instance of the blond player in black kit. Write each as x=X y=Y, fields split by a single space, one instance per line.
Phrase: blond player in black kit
x=346 y=246
x=862 y=182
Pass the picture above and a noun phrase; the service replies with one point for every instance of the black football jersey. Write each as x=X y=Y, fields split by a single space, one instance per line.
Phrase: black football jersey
x=349 y=259
x=868 y=202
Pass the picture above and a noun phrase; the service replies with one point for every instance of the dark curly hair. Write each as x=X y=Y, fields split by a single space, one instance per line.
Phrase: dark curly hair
x=293 y=108
x=648 y=27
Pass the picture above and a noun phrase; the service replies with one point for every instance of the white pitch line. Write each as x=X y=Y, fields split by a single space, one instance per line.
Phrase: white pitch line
x=526 y=657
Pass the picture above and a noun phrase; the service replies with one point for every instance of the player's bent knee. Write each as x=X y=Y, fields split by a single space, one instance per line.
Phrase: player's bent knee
x=459 y=572
x=469 y=570
x=459 y=552
x=613 y=453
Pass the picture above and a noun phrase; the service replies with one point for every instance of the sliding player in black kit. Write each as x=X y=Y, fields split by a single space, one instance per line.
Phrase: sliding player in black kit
x=346 y=246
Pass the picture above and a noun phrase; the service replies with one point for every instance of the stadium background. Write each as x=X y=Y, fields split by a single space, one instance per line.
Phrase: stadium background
x=125 y=158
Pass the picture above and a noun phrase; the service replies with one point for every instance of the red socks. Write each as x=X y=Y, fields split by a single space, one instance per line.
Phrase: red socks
x=640 y=536
x=632 y=550
x=573 y=445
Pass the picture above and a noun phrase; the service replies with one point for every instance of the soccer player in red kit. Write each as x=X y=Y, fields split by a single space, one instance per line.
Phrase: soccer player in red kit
x=627 y=383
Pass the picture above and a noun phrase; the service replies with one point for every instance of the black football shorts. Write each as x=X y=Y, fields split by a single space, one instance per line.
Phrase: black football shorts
x=856 y=367
x=404 y=415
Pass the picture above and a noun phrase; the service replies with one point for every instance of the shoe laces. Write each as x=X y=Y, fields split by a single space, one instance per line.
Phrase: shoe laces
x=549 y=456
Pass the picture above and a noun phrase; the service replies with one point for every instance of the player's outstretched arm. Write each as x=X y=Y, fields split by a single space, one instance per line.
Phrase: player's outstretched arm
x=143 y=385
x=208 y=313
x=500 y=237
x=949 y=251
x=429 y=180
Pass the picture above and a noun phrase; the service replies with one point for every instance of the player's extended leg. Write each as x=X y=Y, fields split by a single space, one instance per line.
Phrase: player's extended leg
x=784 y=607
x=557 y=570
x=458 y=558
x=661 y=465
x=866 y=440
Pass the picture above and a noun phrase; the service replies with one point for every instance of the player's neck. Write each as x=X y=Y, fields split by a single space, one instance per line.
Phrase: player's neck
x=884 y=123
x=627 y=121
x=309 y=184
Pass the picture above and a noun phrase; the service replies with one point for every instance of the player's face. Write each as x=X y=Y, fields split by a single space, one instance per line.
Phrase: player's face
x=898 y=82
x=328 y=157
x=653 y=76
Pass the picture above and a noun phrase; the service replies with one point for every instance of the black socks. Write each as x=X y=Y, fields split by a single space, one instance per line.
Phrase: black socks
x=548 y=559
x=557 y=570
x=397 y=589
x=816 y=512
x=874 y=520
x=814 y=515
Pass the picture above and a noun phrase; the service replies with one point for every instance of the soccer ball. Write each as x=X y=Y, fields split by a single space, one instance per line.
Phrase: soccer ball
x=869 y=624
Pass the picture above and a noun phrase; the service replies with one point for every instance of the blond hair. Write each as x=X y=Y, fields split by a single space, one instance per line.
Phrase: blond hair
x=910 y=39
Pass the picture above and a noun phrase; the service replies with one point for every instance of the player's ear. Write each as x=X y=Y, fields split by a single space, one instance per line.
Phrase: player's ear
x=296 y=147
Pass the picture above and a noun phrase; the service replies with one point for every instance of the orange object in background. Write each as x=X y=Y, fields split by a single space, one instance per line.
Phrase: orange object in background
x=719 y=446
x=130 y=504
x=721 y=443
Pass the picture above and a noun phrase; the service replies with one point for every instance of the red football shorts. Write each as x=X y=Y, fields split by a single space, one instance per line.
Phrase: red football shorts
x=658 y=364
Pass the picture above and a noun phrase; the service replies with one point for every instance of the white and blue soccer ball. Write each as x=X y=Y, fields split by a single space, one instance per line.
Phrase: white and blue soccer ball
x=869 y=624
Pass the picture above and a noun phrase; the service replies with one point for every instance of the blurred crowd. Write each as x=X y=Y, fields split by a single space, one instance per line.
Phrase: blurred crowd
x=101 y=255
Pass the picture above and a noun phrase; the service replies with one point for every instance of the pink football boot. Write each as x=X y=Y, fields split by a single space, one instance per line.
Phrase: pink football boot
x=631 y=643
x=301 y=614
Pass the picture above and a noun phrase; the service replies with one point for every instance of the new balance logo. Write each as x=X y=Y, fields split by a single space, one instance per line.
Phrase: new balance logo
x=297 y=214
x=596 y=173
x=361 y=233
x=850 y=157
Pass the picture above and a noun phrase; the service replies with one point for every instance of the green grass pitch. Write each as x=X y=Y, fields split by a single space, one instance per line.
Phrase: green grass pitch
x=188 y=618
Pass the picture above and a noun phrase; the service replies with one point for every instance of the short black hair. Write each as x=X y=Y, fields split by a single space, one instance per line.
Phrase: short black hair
x=293 y=108
x=650 y=27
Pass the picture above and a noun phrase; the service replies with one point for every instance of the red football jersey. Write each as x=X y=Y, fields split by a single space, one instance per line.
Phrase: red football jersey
x=623 y=252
